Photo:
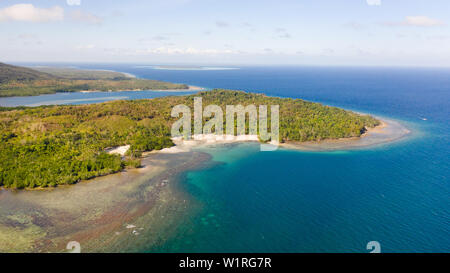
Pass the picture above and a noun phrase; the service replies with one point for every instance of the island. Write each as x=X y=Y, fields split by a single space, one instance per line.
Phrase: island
x=47 y=146
x=23 y=81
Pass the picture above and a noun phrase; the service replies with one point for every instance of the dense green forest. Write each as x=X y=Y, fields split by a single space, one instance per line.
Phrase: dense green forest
x=21 y=81
x=52 y=145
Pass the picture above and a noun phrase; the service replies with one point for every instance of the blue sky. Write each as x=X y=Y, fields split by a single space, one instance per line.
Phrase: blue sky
x=297 y=32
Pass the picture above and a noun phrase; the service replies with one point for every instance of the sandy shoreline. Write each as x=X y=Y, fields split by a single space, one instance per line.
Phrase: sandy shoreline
x=125 y=211
x=387 y=131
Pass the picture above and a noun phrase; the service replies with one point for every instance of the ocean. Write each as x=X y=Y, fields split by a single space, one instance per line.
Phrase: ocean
x=397 y=194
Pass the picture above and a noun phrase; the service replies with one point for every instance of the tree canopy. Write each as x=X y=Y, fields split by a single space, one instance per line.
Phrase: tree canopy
x=22 y=81
x=53 y=145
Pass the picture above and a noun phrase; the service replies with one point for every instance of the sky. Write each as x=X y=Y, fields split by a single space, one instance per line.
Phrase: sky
x=215 y=32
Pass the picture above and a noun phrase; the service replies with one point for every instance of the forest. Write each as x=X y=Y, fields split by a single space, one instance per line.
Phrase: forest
x=63 y=144
x=22 y=81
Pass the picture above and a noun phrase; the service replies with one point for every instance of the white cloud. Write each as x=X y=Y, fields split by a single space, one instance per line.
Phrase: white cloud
x=73 y=2
x=422 y=21
x=373 y=2
x=416 y=21
x=29 y=13
x=86 y=17
x=168 y=51
x=188 y=51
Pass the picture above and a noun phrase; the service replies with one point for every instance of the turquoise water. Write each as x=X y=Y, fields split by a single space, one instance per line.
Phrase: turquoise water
x=291 y=201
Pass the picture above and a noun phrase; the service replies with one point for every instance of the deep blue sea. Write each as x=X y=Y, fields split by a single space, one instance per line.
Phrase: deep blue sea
x=291 y=201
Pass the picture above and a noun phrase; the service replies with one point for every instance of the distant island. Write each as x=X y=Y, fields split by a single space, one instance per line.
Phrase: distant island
x=56 y=145
x=23 y=81
x=174 y=67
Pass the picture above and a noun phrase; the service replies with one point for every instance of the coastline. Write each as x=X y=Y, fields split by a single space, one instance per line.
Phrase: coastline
x=191 y=88
x=129 y=75
x=109 y=213
x=121 y=212
x=388 y=131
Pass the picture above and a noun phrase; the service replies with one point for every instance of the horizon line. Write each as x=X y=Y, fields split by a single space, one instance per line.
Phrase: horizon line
x=227 y=64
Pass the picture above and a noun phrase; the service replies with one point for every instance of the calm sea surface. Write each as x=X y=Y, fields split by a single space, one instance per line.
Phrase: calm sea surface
x=289 y=201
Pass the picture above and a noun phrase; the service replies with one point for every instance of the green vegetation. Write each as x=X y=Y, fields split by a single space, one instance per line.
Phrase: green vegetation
x=53 y=145
x=11 y=73
x=299 y=120
x=21 y=81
